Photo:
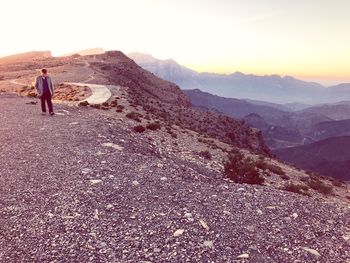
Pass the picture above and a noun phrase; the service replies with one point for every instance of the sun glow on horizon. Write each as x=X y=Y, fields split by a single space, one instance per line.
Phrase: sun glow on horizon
x=298 y=38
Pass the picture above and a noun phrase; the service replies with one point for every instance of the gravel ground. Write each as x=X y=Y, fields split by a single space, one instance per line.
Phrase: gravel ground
x=82 y=187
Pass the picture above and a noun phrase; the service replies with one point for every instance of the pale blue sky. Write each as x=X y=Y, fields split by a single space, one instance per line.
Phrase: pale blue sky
x=308 y=39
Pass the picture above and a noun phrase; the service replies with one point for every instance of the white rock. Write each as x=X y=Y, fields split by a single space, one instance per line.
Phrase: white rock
x=346 y=237
x=96 y=214
x=95 y=181
x=86 y=171
x=259 y=212
x=227 y=212
x=109 y=206
x=295 y=215
x=178 y=232
x=135 y=183
x=163 y=179
x=271 y=207
x=160 y=165
x=50 y=215
x=243 y=256
x=208 y=243
x=240 y=189
x=112 y=145
x=156 y=250
x=204 y=224
x=188 y=215
x=74 y=123
x=312 y=251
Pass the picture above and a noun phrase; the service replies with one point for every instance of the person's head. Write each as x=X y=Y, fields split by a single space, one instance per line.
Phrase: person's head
x=44 y=72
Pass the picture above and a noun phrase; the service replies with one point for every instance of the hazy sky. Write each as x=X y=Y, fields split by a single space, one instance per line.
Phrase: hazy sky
x=303 y=38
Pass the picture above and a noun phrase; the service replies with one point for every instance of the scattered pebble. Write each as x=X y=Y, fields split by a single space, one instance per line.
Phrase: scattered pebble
x=135 y=183
x=204 y=224
x=312 y=251
x=112 y=145
x=243 y=256
x=109 y=206
x=95 y=181
x=208 y=243
x=96 y=214
x=86 y=171
x=178 y=232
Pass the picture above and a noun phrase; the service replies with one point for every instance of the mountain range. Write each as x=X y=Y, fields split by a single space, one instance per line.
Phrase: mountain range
x=272 y=88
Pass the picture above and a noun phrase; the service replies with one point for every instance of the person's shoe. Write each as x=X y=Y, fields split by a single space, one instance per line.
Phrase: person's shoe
x=52 y=113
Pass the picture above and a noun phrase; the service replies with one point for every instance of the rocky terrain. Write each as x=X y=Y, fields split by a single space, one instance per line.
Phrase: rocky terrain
x=142 y=178
x=82 y=186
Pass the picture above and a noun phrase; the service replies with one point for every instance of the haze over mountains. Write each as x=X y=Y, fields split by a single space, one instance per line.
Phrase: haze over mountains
x=285 y=125
x=271 y=88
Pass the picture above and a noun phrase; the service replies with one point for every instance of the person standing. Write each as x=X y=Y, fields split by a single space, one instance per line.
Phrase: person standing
x=45 y=89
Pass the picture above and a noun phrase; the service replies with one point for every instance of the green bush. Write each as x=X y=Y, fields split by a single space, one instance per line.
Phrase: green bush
x=242 y=170
x=139 y=128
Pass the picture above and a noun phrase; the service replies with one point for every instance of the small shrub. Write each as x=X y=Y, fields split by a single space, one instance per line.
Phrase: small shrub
x=96 y=106
x=284 y=177
x=32 y=95
x=275 y=169
x=153 y=126
x=338 y=183
x=296 y=188
x=134 y=116
x=84 y=103
x=139 y=128
x=120 y=108
x=242 y=170
x=114 y=103
x=320 y=186
x=261 y=164
x=205 y=154
x=105 y=104
x=304 y=179
x=173 y=134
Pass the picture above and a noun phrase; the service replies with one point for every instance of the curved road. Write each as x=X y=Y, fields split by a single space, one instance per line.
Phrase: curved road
x=100 y=93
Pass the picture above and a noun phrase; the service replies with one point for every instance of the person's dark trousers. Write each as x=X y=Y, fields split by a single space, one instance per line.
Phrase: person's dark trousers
x=46 y=98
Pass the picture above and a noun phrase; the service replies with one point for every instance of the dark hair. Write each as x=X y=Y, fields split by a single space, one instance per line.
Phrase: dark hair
x=44 y=71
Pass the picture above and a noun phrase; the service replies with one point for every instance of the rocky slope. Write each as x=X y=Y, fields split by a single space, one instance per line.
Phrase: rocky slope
x=165 y=100
x=84 y=186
